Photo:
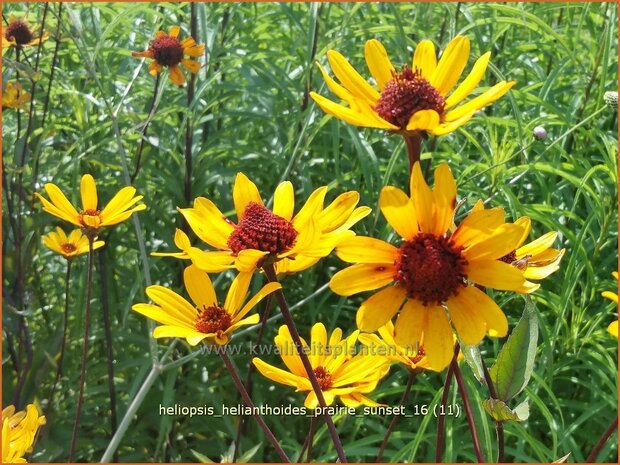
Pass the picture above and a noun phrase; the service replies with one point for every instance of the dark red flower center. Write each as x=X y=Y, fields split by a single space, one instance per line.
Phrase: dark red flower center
x=212 y=319
x=261 y=229
x=167 y=50
x=430 y=268
x=68 y=248
x=405 y=94
x=419 y=355
x=18 y=31
x=509 y=258
x=324 y=378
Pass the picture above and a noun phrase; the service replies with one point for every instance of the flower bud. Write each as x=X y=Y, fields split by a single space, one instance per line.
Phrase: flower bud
x=539 y=133
x=611 y=99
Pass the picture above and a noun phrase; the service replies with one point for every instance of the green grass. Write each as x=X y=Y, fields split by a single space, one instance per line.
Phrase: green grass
x=250 y=114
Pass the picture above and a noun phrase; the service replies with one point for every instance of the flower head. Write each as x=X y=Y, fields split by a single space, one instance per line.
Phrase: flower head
x=338 y=372
x=416 y=98
x=90 y=218
x=292 y=242
x=207 y=318
x=613 y=327
x=18 y=432
x=434 y=267
x=69 y=246
x=14 y=96
x=536 y=259
x=169 y=51
x=19 y=34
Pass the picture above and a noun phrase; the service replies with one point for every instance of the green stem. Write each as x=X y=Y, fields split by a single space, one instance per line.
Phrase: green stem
x=499 y=426
x=270 y=273
x=78 y=410
x=441 y=421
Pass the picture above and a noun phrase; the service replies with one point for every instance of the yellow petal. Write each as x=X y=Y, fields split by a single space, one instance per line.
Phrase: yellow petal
x=237 y=292
x=538 y=246
x=438 y=339
x=194 y=50
x=191 y=65
x=174 y=31
x=613 y=328
x=448 y=127
x=445 y=197
x=337 y=212
x=378 y=62
x=199 y=287
x=349 y=115
x=160 y=315
x=480 y=303
x=477 y=226
x=256 y=298
x=284 y=200
x=377 y=310
x=423 y=120
x=411 y=325
x=425 y=59
x=248 y=260
x=470 y=82
x=244 y=192
x=451 y=65
x=503 y=241
x=398 y=211
x=59 y=201
x=209 y=223
x=210 y=262
x=121 y=201
x=175 y=305
x=276 y=374
x=466 y=318
x=610 y=295
x=351 y=79
x=360 y=249
x=541 y=272
x=361 y=277
x=318 y=344
x=526 y=224
x=495 y=274
x=423 y=201
x=176 y=75
x=173 y=331
x=336 y=88
x=490 y=96
x=155 y=68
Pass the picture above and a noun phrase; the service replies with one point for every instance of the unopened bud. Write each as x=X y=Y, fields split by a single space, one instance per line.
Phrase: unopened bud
x=539 y=133
x=611 y=99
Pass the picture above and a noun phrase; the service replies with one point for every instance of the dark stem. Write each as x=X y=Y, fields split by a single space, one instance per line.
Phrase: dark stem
x=37 y=157
x=499 y=426
x=270 y=273
x=441 y=421
x=313 y=424
x=248 y=379
x=63 y=342
x=460 y=382
x=601 y=442
x=27 y=342
x=103 y=279
x=403 y=399
x=248 y=401
x=413 y=141
x=144 y=129
x=304 y=447
x=80 y=400
x=188 y=126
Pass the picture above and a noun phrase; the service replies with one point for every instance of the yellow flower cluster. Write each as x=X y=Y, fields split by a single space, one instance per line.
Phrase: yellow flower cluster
x=19 y=430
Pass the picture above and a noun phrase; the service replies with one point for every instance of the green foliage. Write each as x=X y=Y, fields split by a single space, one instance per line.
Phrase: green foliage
x=251 y=113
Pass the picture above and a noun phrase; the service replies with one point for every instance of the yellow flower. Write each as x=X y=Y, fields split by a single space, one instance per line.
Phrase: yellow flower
x=18 y=432
x=537 y=259
x=293 y=242
x=207 y=318
x=19 y=34
x=69 y=247
x=168 y=50
x=384 y=344
x=14 y=96
x=613 y=327
x=414 y=99
x=338 y=372
x=432 y=269
x=89 y=218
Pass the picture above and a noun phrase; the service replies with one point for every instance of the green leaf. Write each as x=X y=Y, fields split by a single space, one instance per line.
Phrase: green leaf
x=513 y=368
x=562 y=459
x=473 y=359
x=499 y=411
x=200 y=457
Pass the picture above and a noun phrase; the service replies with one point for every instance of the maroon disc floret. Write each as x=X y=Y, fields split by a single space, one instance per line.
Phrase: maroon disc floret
x=68 y=248
x=261 y=229
x=509 y=258
x=405 y=94
x=167 y=50
x=419 y=355
x=18 y=31
x=324 y=378
x=430 y=268
x=212 y=319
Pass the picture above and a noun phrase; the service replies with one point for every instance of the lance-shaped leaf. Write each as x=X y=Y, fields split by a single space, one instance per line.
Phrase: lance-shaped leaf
x=515 y=361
